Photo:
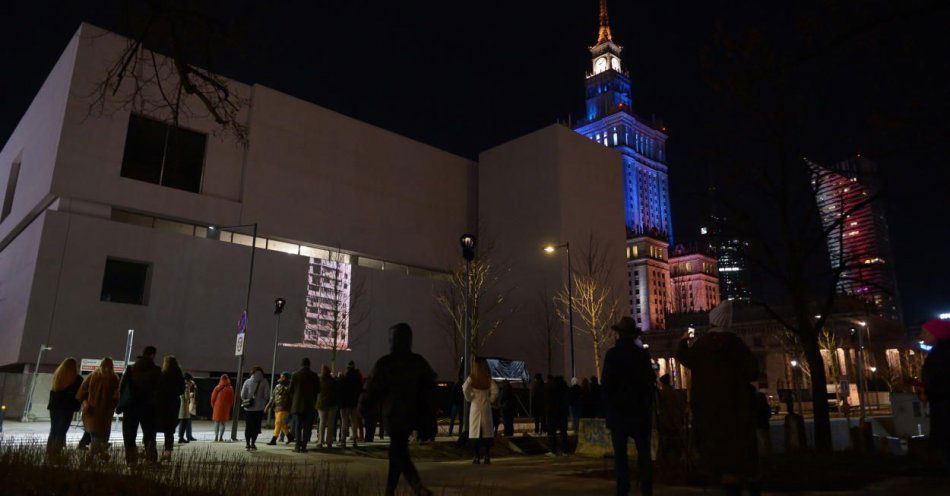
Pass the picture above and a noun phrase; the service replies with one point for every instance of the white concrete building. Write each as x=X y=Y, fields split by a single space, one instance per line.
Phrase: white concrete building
x=105 y=226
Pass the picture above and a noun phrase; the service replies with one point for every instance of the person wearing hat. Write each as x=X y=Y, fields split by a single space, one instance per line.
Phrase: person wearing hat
x=723 y=403
x=629 y=391
x=936 y=378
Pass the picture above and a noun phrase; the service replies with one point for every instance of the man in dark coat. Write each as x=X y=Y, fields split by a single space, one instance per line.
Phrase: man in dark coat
x=350 y=388
x=403 y=384
x=138 y=403
x=538 y=408
x=509 y=407
x=672 y=419
x=303 y=391
x=629 y=391
x=723 y=403
x=936 y=378
x=555 y=394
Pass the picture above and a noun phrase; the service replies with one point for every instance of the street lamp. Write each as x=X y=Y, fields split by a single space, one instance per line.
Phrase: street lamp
x=550 y=249
x=214 y=232
x=278 y=309
x=467 y=242
x=29 y=399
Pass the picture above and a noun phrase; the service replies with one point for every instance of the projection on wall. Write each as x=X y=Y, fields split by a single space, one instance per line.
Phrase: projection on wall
x=327 y=311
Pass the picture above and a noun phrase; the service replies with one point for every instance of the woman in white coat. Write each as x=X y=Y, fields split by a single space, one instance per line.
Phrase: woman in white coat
x=481 y=391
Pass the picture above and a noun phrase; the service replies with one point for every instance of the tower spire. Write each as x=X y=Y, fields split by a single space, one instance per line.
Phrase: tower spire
x=603 y=34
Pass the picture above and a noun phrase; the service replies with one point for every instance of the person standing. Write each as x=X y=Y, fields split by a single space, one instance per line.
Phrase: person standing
x=138 y=404
x=402 y=386
x=222 y=400
x=351 y=387
x=456 y=408
x=671 y=424
x=280 y=404
x=171 y=387
x=722 y=402
x=327 y=403
x=99 y=395
x=574 y=403
x=481 y=391
x=936 y=378
x=629 y=391
x=303 y=391
x=186 y=410
x=556 y=414
x=509 y=405
x=368 y=412
x=596 y=398
x=62 y=403
x=538 y=408
x=255 y=394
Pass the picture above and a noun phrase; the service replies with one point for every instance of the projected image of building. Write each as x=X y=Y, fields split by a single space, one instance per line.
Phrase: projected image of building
x=859 y=243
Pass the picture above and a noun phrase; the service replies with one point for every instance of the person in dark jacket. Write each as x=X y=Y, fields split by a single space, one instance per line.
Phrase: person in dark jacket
x=629 y=391
x=138 y=404
x=327 y=404
x=596 y=399
x=556 y=414
x=170 y=389
x=509 y=405
x=303 y=391
x=403 y=384
x=672 y=421
x=538 y=408
x=63 y=403
x=457 y=408
x=722 y=403
x=936 y=378
x=370 y=415
x=351 y=386
x=574 y=403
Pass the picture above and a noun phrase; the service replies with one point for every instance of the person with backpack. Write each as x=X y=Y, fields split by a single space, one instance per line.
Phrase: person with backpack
x=255 y=394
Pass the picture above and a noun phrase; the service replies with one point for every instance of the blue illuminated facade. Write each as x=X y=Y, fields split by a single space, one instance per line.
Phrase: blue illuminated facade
x=610 y=121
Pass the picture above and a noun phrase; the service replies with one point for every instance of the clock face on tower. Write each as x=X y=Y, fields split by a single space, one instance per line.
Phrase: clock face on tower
x=600 y=65
x=615 y=64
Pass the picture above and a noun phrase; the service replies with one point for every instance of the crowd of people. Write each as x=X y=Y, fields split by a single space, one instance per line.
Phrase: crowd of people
x=726 y=415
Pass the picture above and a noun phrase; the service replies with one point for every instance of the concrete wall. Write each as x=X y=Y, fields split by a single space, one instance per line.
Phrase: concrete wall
x=550 y=186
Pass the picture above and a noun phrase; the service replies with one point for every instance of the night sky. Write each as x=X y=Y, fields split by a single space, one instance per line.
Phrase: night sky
x=465 y=76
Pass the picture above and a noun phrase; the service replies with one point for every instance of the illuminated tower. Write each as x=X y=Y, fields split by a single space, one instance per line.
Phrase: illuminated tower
x=609 y=120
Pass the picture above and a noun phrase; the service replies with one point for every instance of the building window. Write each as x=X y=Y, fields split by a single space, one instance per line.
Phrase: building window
x=125 y=281
x=11 y=189
x=161 y=154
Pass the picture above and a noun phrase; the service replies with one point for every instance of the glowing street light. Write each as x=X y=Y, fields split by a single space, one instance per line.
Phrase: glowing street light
x=550 y=249
x=794 y=363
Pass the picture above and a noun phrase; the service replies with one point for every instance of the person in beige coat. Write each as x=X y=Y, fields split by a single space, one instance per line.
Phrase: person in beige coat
x=481 y=391
x=99 y=394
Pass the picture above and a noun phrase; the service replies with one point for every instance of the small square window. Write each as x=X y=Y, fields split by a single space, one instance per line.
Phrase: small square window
x=125 y=281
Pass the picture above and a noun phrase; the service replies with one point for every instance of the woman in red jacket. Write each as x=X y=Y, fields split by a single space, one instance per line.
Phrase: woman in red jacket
x=222 y=400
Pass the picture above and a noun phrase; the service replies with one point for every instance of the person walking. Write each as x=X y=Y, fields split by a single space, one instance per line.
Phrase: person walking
x=280 y=404
x=722 y=402
x=138 y=404
x=556 y=414
x=222 y=400
x=509 y=405
x=99 y=395
x=62 y=404
x=303 y=390
x=402 y=386
x=187 y=409
x=538 y=408
x=255 y=394
x=327 y=403
x=629 y=392
x=456 y=408
x=480 y=391
x=574 y=404
x=368 y=412
x=171 y=387
x=936 y=378
x=350 y=388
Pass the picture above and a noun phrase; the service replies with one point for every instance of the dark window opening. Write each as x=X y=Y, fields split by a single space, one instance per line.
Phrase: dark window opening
x=161 y=154
x=125 y=281
x=11 y=189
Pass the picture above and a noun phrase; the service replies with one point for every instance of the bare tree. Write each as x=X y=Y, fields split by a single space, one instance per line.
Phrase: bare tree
x=489 y=301
x=345 y=297
x=177 y=85
x=546 y=324
x=595 y=304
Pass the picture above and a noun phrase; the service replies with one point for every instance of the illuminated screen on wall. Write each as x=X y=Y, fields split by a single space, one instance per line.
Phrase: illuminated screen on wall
x=327 y=311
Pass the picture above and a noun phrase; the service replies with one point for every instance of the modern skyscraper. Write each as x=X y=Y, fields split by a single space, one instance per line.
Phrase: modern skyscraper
x=609 y=120
x=859 y=244
x=734 y=283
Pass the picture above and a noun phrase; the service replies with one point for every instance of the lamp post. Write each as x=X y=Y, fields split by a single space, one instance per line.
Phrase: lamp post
x=278 y=309
x=29 y=399
x=862 y=382
x=467 y=241
x=214 y=232
x=798 y=395
x=550 y=249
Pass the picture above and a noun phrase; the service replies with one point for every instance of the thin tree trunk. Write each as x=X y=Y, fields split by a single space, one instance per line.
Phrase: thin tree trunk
x=819 y=393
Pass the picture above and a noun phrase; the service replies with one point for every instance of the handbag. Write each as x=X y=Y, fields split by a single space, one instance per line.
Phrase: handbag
x=245 y=403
